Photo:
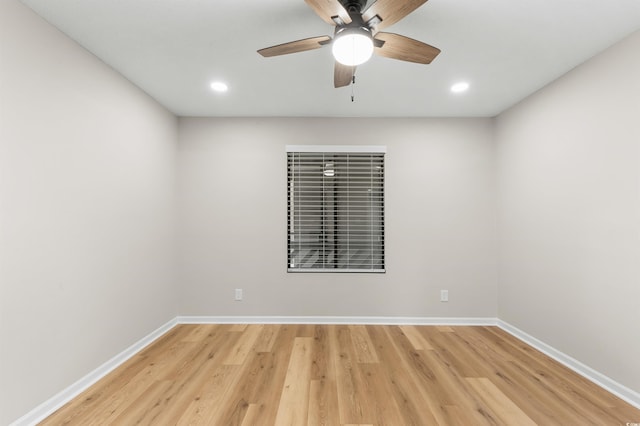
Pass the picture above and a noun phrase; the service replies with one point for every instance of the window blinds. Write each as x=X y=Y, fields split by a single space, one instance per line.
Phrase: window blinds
x=335 y=211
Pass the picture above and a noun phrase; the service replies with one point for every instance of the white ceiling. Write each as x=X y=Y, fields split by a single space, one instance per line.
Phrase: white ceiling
x=173 y=49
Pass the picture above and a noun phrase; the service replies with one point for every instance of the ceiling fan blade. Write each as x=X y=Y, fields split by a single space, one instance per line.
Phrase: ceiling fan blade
x=405 y=49
x=342 y=75
x=390 y=11
x=327 y=9
x=295 y=46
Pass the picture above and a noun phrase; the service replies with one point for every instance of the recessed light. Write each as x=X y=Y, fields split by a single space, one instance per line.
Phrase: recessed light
x=218 y=86
x=460 y=87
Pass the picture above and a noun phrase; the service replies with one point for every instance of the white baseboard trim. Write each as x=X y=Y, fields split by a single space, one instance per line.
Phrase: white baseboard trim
x=623 y=392
x=48 y=407
x=334 y=320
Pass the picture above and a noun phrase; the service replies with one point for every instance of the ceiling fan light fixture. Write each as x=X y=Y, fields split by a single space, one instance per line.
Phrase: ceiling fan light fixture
x=352 y=46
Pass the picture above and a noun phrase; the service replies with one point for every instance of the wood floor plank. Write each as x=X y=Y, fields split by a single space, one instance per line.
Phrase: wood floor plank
x=261 y=375
x=323 y=397
x=294 y=400
x=239 y=328
x=541 y=402
x=378 y=384
x=354 y=403
x=265 y=390
x=195 y=372
x=253 y=415
x=213 y=343
x=505 y=408
x=323 y=409
x=363 y=346
x=146 y=409
x=252 y=376
x=543 y=410
x=472 y=407
x=305 y=330
x=323 y=367
x=449 y=345
x=198 y=334
x=206 y=406
x=416 y=338
x=238 y=354
x=414 y=404
x=267 y=338
x=422 y=375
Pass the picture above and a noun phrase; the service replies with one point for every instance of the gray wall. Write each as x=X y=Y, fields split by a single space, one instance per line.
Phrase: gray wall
x=86 y=199
x=569 y=176
x=440 y=219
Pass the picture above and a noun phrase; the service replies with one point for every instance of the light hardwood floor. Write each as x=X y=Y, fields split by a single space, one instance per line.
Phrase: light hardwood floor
x=342 y=375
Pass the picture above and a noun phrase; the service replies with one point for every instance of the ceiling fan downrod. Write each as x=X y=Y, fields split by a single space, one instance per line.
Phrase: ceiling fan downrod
x=354 y=7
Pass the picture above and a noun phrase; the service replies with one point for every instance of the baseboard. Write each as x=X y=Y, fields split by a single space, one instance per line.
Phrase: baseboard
x=48 y=407
x=623 y=392
x=334 y=320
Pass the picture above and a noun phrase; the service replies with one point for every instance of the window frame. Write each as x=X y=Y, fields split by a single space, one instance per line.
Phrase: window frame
x=377 y=263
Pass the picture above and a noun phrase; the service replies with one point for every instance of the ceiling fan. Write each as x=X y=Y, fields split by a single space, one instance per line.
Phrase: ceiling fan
x=357 y=35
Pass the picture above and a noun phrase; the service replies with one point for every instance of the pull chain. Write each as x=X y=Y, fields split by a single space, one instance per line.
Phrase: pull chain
x=353 y=83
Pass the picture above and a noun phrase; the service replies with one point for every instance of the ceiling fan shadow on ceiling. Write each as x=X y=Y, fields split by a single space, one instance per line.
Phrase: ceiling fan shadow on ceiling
x=357 y=35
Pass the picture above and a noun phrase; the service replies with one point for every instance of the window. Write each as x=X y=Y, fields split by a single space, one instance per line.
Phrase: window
x=335 y=209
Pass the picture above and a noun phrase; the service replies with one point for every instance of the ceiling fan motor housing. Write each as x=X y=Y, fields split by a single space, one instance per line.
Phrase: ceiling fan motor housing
x=357 y=24
x=353 y=6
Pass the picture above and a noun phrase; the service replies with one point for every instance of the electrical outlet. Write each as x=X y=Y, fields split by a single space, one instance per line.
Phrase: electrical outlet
x=444 y=295
x=238 y=294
